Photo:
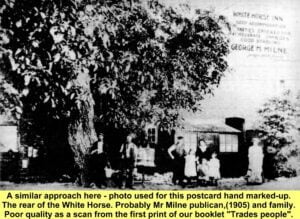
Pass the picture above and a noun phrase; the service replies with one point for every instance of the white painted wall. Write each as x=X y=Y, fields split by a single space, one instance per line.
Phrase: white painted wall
x=254 y=79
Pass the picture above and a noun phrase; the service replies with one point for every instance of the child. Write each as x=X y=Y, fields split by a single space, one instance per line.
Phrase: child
x=203 y=169
x=190 y=171
x=214 y=168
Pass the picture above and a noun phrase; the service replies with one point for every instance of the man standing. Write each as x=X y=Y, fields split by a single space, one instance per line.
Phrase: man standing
x=128 y=157
x=177 y=153
x=98 y=162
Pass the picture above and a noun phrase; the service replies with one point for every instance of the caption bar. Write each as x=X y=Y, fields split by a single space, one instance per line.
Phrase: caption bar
x=149 y=204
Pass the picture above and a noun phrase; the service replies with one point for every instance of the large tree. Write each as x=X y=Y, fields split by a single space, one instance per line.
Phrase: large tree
x=49 y=56
x=138 y=61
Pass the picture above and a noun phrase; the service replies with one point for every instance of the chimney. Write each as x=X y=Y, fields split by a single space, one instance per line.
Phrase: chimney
x=235 y=122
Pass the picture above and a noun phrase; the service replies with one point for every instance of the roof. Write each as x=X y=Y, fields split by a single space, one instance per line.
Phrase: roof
x=213 y=127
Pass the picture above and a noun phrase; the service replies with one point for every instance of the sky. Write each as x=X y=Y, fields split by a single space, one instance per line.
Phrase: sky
x=254 y=77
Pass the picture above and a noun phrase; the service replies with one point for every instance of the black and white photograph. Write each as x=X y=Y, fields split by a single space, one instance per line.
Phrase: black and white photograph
x=149 y=95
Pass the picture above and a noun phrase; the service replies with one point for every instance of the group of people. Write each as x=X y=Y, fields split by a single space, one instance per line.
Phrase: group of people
x=202 y=164
x=199 y=164
x=189 y=164
x=262 y=162
x=99 y=163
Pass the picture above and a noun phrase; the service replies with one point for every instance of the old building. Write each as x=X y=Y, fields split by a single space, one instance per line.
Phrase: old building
x=227 y=139
x=9 y=147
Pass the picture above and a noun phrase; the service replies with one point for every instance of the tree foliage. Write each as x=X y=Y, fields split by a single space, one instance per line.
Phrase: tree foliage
x=49 y=59
x=279 y=118
x=152 y=61
x=145 y=61
x=119 y=63
x=44 y=42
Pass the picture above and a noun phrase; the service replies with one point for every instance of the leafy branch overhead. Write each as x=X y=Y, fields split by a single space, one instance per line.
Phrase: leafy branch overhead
x=152 y=61
x=142 y=61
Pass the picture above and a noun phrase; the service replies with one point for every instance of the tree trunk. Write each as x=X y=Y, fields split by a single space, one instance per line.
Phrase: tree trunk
x=82 y=132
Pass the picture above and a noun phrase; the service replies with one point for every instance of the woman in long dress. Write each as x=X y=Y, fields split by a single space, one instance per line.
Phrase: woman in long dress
x=203 y=155
x=255 y=169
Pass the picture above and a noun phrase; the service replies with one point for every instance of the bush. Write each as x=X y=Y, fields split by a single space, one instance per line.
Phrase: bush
x=278 y=121
x=288 y=161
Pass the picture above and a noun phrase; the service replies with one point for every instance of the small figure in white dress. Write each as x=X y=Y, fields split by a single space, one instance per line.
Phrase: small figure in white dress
x=204 y=169
x=214 y=167
x=190 y=170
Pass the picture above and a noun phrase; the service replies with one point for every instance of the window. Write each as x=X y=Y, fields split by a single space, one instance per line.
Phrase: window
x=228 y=143
x=209 y=139
x=152 y=134
x=190 y=140
x=8 y=138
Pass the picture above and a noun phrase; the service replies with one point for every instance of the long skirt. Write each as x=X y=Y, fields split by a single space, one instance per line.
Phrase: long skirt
x=190 y=166
x=255 y=177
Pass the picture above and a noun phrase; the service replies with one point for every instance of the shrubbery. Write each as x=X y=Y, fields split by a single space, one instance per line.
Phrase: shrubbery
x=279 y=121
